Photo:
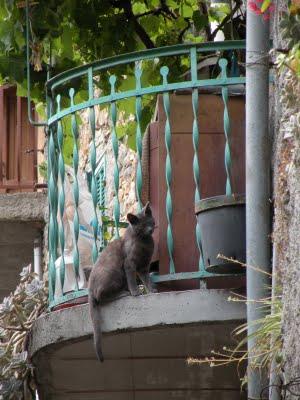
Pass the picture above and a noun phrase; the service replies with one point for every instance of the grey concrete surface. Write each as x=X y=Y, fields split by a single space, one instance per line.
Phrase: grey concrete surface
x=146 y=343
x=142 y=312
x=21 y=221
x=22 y=206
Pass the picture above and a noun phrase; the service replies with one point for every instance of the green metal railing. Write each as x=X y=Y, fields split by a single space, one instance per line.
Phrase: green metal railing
x=63 y=86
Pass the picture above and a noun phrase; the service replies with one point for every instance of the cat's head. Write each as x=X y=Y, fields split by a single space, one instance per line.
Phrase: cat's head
x=142 y=224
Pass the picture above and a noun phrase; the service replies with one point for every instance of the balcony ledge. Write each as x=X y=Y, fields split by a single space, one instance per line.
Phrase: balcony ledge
x=23 y=207
x=137 y=313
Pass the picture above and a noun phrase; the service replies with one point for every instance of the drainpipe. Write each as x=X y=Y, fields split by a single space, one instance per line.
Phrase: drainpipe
x=37 y=258
x=257 y=181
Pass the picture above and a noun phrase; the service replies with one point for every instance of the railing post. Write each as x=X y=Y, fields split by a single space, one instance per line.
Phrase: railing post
x=138 y=113
x=196 y=166
x=168 y=139
x=226 y=122
x=76 y=222
x=93 y=156
x=61 y=195
x=115 y=147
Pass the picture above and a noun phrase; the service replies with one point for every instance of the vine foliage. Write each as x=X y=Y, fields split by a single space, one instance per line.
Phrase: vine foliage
x=69 y=33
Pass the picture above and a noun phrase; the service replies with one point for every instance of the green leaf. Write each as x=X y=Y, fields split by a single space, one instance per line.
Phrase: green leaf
x=22 y=89
x=67 y=42
x=41 y=110
x=187 y=11
x=86 y=30
x=265 y=5
x=200 y=20
x=131 y=139
x=150 y=23
x=68 y=138
x=139 y=7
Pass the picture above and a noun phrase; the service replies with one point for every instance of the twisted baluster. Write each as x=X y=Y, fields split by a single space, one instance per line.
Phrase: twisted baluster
x=169 y=207
x=196 y=168
x=75 y=188
x=61 y=196
x=52 y=198
x=115 y=147
x=138 y=113
x=93 y=155
x=226 y=120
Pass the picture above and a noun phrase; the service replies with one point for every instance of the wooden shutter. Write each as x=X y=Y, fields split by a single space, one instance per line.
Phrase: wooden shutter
x=18 y=144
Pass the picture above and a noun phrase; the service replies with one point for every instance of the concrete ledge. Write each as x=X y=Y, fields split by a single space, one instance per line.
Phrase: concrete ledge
x=23 y=206
x=137 y=313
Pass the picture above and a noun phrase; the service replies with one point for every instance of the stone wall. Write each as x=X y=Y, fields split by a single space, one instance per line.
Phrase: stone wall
x=287 y=207
x=126 y=161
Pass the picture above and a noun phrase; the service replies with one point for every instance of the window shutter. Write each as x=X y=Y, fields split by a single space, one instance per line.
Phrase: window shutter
x=18 y=144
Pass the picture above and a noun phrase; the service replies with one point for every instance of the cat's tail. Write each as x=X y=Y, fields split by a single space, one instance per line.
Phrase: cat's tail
x=96 y=321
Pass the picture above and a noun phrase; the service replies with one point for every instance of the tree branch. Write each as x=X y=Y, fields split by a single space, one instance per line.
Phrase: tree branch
x=167 y=10
x=204 y=11
x=156 y=11
x=140 y=31
x=180 y=36
x=225 y=20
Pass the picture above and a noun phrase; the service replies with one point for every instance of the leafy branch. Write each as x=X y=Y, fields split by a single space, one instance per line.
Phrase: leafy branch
x=227 y=19
x=140 y=31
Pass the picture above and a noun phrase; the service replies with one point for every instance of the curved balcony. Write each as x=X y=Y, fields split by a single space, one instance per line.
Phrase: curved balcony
x=194 y=150
x=145 y=357
x=225 y=152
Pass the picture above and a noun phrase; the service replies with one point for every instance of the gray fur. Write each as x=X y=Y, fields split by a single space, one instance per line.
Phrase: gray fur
x=117 y=266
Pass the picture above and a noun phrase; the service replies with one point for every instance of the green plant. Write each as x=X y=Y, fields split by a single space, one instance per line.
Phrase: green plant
x=18 y=312
x=82 y=31
x=267 y=335
x=43 y=169
x=290 y=30
x=291 y=60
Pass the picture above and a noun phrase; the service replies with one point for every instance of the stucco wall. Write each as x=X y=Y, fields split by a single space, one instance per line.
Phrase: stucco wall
x=287 y=207
x=22 y=220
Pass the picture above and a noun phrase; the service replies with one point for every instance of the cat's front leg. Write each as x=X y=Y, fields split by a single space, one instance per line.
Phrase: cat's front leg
x=131 y=280
x=145 y=278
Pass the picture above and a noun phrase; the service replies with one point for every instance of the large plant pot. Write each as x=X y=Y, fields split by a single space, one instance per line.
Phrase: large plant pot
x=222 y=222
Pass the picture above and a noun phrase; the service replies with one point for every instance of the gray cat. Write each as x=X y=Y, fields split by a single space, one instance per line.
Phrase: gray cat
x=117 y=266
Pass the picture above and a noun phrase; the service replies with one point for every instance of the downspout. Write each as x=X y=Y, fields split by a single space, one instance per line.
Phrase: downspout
x=37 y=258
x=257 y=182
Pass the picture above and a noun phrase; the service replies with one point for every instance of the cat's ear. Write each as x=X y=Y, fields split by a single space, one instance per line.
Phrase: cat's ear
x=147 y=210
x=133 y=219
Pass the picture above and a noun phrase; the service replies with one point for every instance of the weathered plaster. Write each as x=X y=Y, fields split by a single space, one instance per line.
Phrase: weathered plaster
x=132 y=313
x=22 y=220
x=287 y=207
x=22 y=206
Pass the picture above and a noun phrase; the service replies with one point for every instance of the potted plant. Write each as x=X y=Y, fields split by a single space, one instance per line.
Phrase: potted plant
x=222 y=222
